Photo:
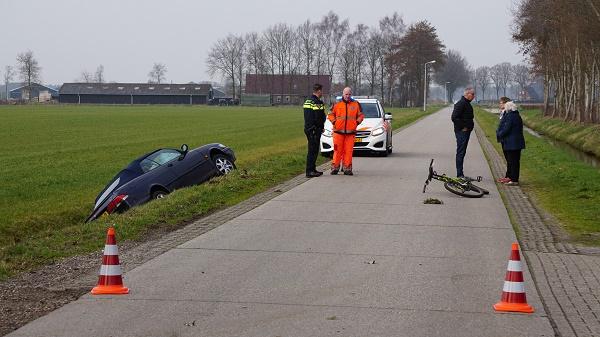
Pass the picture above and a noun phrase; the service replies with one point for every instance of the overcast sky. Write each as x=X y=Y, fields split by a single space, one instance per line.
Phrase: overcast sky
x=128 y=36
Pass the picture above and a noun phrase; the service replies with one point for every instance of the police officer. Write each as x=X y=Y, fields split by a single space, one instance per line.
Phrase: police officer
x=314 y=122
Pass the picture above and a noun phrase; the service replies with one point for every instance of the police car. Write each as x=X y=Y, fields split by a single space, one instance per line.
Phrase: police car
x=374 y=134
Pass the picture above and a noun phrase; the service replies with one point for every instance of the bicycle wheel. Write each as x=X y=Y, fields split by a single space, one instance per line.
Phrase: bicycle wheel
x=467 y=191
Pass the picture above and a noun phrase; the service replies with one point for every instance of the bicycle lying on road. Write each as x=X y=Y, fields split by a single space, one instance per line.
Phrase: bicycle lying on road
x=461 y=186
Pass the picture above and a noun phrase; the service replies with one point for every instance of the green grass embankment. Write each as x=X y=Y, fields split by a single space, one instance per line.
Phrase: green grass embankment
x=560 y=184
x=56 y=159
x=584 y=137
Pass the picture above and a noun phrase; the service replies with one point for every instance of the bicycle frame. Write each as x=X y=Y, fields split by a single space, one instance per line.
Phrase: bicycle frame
x=465 y=182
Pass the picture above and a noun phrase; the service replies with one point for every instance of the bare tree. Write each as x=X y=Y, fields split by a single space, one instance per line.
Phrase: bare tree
x=455 y=71
x=346 y=60
x=307 y=36
x=482 y=79
x=361 y=34
x=255 y=54
x=392 y=29
x=506 y=75
x=374 y=52
x=86 y=77
x=332 y=32
x=158 y=72
x=522 y=77
x=279 y=39
x=28 y=69
x=8 y=76
x=226 y=57
x=496 y=77
x=99 y=76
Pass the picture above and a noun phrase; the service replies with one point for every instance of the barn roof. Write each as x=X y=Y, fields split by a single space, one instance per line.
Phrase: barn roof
x=135 y=89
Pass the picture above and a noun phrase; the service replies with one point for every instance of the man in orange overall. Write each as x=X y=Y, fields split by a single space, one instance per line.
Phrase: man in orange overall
x=345 y=116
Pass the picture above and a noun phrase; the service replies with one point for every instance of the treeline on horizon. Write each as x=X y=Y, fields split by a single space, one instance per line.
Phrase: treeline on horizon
x=387 y=60
x=562 y=40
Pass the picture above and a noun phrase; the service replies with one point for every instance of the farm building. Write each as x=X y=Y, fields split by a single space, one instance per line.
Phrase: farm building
x=37 y=92
x=285 y=89
x=135 y=93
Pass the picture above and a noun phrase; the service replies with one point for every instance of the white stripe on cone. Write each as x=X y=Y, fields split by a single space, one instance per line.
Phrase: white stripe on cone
x=111 y=250
x=111 y=270
x=514 y=266
x=513 y=287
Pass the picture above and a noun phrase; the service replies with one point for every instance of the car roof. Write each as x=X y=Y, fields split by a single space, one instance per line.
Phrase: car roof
x=363 y=99
x=367 y=100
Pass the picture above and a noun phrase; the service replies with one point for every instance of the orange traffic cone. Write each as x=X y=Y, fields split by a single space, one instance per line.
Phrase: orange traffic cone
x=513 y=293
x=110 y=280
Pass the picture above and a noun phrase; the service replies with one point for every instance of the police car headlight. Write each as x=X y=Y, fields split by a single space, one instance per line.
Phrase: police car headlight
x=327 y=133
x=378 y=131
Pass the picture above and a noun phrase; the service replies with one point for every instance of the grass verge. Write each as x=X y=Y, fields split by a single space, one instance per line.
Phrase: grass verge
x=585 y=137
x=565 y=187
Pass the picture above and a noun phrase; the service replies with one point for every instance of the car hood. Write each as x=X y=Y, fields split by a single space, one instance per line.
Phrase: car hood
x=367 y=124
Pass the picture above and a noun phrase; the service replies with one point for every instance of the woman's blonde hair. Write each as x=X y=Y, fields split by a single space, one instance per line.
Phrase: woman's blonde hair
x=504 y=99
x=510 y=106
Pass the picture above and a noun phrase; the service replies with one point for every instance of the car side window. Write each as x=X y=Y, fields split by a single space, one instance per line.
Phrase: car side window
x=158 y=158
x=148 y=165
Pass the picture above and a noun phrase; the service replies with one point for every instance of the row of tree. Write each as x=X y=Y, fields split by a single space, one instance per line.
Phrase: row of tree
x=500 y=77
x=156 y=75
x=387 y=60
x=562 y=40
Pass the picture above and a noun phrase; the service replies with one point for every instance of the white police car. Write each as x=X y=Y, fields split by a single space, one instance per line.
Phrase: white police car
x=374 y=134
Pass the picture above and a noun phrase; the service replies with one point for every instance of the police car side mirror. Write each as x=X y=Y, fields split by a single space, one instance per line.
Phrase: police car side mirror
x=387 y=116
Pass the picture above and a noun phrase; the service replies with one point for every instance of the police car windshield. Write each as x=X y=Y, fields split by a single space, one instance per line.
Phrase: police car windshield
x=371 y=110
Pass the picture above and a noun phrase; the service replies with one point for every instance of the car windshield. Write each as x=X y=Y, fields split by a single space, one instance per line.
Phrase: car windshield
x=158 y=158
x=371 y=110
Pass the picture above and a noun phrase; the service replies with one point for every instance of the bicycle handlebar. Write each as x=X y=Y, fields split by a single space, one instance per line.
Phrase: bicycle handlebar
x=429 y=176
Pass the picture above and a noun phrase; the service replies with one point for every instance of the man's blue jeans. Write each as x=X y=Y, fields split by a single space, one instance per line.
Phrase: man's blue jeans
x=462 y=140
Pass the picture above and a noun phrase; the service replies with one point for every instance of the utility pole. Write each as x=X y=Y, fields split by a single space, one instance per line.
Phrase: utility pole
x=425 y=86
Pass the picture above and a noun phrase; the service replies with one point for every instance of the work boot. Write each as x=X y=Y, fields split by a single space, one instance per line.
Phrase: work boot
x=334 y=171
x=348 y=173
x=313 y=174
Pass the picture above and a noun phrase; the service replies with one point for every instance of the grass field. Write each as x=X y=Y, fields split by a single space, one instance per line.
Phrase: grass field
x=561 y=184
x=55 y=160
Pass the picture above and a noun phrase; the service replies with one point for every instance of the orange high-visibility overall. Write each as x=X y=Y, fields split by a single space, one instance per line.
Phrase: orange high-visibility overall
x=345 y=117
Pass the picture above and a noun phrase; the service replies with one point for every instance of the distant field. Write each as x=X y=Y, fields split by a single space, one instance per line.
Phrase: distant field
x=55 y=159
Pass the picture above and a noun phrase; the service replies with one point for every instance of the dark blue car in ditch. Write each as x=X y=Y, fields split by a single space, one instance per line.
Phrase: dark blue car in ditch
x=158 y=173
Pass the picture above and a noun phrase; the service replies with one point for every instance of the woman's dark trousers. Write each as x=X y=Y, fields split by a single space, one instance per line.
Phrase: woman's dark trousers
x=513 y=164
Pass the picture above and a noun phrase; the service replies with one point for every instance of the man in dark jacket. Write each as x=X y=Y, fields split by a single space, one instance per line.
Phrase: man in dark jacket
x=314 y=122
x=462 y=117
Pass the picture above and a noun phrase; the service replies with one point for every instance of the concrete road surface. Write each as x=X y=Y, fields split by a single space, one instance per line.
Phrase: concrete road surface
x=335 y=256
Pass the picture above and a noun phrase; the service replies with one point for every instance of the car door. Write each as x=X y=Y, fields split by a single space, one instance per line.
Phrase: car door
x=159 y=168
x=193 y=168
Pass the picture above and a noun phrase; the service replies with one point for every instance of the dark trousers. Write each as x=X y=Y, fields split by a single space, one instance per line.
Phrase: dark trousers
x=313 y=138
x=462 y=140
x=513 y=164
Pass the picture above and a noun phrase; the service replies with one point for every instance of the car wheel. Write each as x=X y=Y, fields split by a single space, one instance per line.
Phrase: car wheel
x=223 y=164
x=159 y=194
